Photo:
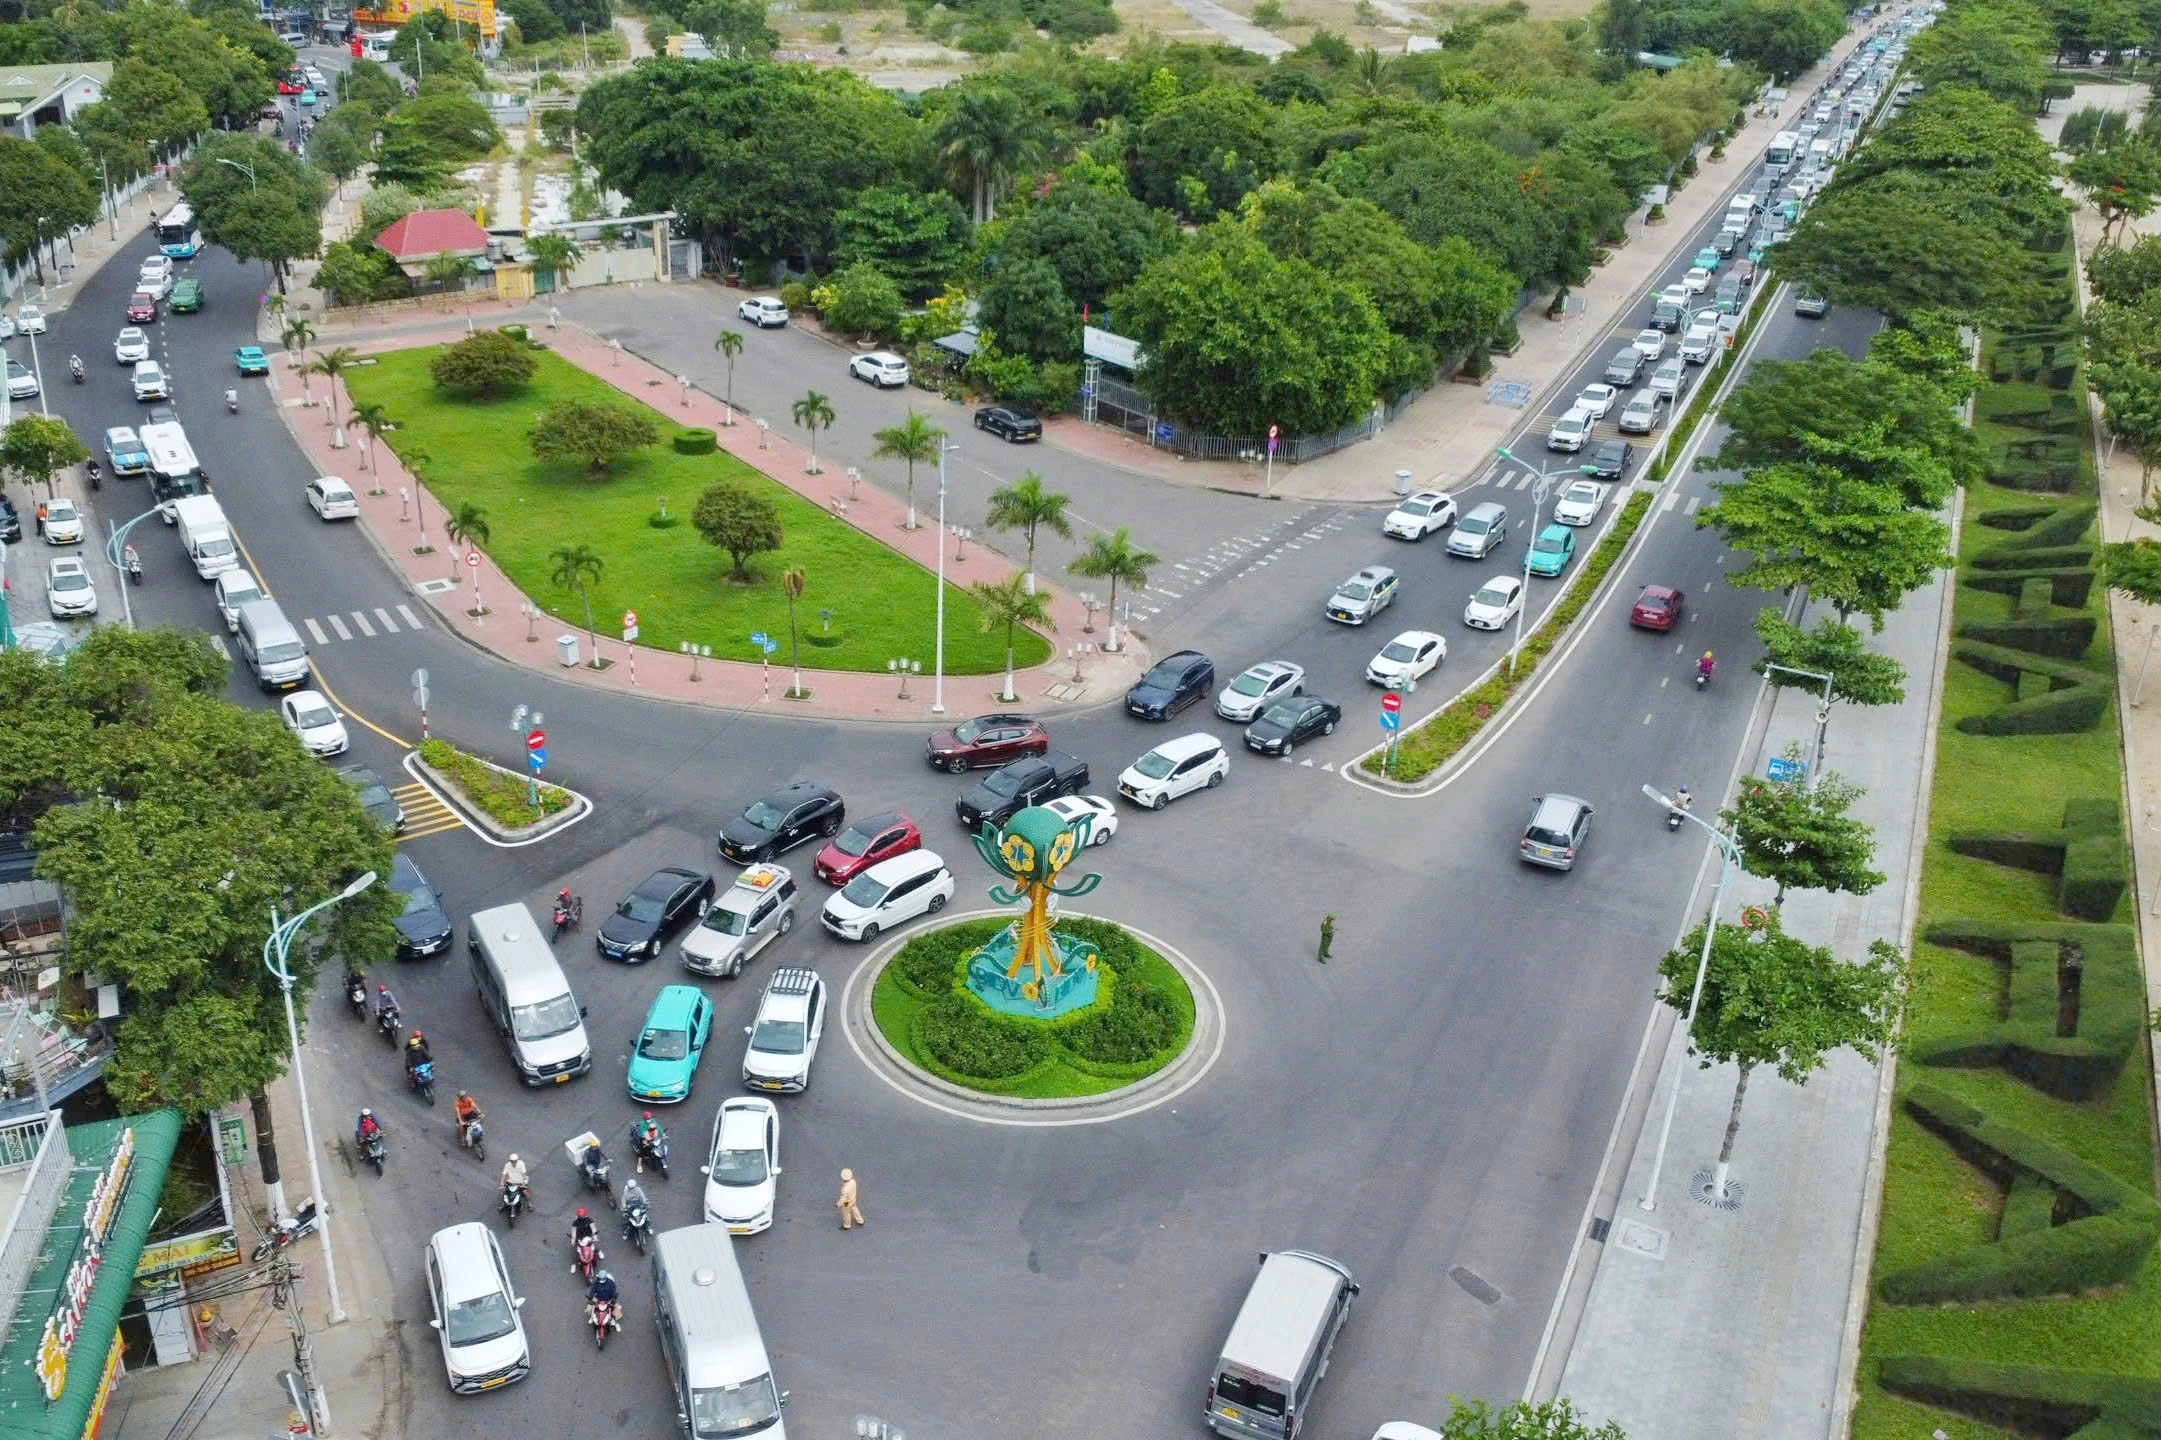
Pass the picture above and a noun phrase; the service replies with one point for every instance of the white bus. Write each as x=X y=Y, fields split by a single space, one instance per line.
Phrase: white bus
x=176 y=232
x=174 y=471
x=1784 y=146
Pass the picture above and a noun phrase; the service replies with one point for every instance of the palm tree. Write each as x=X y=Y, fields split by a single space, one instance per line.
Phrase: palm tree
x=578 y=568
x=915 y=438
x=814 y=412
x=1026 y=506
x=555 y=254
x=1375 y=75
x=982 y=141
x=1012 y=604
x=443 y=271
x=1114 y=558
x=730 y=344
x=298 y=335
x=469 y=527
x=330 y=365
x=791 y=585
x=373 y=420
x=275 y=304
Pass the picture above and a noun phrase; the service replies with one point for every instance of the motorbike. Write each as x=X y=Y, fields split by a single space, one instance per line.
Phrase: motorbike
x=1703 y=676
x=286 y=1231
x=638 y=1223
x=232 y=402
x=1675 y=811
x=134 y=562
x=356 y=995
x=654 y=1152
x=474 y=1138
x=513 y=1203
x=421 y=1078
x=587 y=1255
x=75 y=368
x=596 y=1178
x=603 y=1316
x=388 y=1022
x=371 y=1150
x=96 y=474
x=568 y=915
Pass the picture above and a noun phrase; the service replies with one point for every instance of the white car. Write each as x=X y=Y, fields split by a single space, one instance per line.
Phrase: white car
x=68 y=590
x=22 y=385
x=150 y=382
x=881 y=368
x=7 y=327
x=763 y=311
x=157 y=284
x=1674 y=295
x=1596 y=400
x=158 y=265
x=1580 y=502
x=234 y=589
x=1698 y=345
x=1258 y=688
x=1174 y=768
x=784 y=1037
x=30 y=318
x=1417 y=516
x=1102 y=816
x=332 y=498
x=1407 y=657
x=1495 y=604
x=63 y=524
x=742 y=1170
x=1651 y=344
x=476 y=1310
x=308 y=715
x=1696 y=281
x=131 y=345
x=1568 y=432
x=891 y=892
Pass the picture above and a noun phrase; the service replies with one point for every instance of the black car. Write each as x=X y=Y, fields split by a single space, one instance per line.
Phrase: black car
x=1014 y=426
x=374 y=796
x=1624 y=367
x=1290 y=720
x=1666 y=315
x=781 y=821
x=424 y=925
x=668 y=900
x=1175 y=682
x=1612 y=458
x=11 y=524
x=1007 y=791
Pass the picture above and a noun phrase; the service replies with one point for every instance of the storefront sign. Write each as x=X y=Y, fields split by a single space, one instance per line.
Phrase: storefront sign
x=190 y=1255
x=105 y=1389
x=99 y=1212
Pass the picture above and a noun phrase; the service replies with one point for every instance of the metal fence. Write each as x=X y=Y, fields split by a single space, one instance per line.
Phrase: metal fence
x=1117 y=404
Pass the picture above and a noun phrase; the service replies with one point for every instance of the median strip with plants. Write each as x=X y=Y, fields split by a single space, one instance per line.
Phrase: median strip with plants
x=503 y=797
x=1439 y=737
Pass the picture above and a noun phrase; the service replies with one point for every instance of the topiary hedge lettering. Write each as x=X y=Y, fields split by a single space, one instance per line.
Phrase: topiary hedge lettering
x=2074 y=1007
x=2035 y=1399
x=2074 y=699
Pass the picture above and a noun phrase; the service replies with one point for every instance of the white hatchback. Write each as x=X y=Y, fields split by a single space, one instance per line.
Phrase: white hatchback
x=881 y=368
x=1174 y=768
x=742 y=1169
x=891 y=892
x=30 y=318
x=131 y=345
x=68 y=590
x=332 y=498
x=1495 y=603
x=763 y=311
x=63 y=523
x=1405 y=658
x=309 y=716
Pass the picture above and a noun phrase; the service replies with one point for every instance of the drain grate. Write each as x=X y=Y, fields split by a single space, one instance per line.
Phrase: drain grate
x=1703 y=1189
x=1475 y=1286
x=1600 y=1229
x=435 y=587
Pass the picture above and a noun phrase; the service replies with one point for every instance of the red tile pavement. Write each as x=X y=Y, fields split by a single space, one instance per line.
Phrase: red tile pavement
x=400 y=526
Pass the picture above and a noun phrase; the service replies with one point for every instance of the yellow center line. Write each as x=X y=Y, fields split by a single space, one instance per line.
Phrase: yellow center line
x=313 y=668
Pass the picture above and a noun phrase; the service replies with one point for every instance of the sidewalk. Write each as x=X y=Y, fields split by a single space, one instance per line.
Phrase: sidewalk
x=1729 y=1320
x=82 y=254
x=1447 y=435
x=400 y=526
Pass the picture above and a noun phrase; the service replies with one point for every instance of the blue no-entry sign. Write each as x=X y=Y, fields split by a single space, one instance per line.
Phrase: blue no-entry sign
x=1785 y=770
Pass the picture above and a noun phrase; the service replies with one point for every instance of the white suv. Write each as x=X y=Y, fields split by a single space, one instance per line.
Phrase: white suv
x=1417 y=516
x=763 y=311
x=889 y=893
x=476 y=1310
x=150 y=382
x=1174 y=768
x=784 y=1036
x=881 y=368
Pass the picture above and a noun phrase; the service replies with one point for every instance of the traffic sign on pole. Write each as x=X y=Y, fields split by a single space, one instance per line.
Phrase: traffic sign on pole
x=1389 y=720
x=1783 y=770
x=536 y=759
x=472 y=559
x=537 y=739
x=1391 y=701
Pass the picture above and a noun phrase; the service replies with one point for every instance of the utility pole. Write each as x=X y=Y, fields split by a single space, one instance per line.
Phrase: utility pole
x=314 y=1404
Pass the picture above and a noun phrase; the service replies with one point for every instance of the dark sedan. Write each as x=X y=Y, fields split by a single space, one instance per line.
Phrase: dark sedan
x=1014 y=426
x=667 y=901
x=986 y=741
x=11 y=524
x=1004 y=793
x=1286 y=723
x=374 y=796
x=1611 y=459
x=424 y=925
x=781 y=821
x=1175 y=682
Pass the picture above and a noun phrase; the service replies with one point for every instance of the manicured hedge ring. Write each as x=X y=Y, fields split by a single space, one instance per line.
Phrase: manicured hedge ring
x=695 y=442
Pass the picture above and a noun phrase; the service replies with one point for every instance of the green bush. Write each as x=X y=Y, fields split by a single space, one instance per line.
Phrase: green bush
x=2031 y=1399
x=2060 y=712
x=795 y=295
x=2095 y=873
x=2025 y=554
x=2111 y=1005
x=2020 y=518
x=515 y=332
x=503 y=797
x=825 y=639
x=927 y=964
x=660 y=520
x=972 y=1045
x=695 y=442
x=1139 y=1026
x=2068 y=588
x=2066 y=638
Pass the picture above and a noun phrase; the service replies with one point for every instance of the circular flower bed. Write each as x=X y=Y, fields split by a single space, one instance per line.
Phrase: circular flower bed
x=1142 y=1017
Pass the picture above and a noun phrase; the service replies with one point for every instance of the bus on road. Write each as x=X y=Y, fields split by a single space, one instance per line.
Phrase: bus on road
x=174 y=470
x=176 y=232
x=1784 y=146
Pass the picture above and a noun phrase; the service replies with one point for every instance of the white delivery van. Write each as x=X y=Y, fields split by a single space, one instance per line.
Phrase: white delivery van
x=205 y=535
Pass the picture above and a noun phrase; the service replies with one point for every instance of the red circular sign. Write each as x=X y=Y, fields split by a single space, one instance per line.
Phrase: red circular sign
x=1391 y=702
x=630 y=618
x=472 y=559
x=1271 y=432
x=537 y=740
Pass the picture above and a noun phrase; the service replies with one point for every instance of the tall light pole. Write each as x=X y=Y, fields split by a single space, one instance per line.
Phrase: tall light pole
x=37 y=369
x=274 y=960
x=1729 y=861
x=1823 y=713
x=115 y=546
x=244 y=168
x=1539 y=489
x=937 y=704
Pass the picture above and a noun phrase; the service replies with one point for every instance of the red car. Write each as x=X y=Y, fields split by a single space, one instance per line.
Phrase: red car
x=1657 y=608
x=142 y=308
x=292 y=84
x=864 y=844
x=987 y=742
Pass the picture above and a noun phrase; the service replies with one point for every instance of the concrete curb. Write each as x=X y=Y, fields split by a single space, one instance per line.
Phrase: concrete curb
x=877 y=1053
x=485 y=825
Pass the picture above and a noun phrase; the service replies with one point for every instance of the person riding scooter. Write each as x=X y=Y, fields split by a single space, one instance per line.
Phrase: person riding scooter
x=465 y=1111
x=366 y=1128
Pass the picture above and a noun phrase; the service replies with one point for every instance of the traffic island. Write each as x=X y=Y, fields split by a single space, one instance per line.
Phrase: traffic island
x=503 y=807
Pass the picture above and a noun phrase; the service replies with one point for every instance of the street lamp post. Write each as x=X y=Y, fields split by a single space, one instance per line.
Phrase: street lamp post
x=1540 y=487
x=937 y=704
x=274 y=960
x=1729 y=861
x=244 y=168
x=1823 y=714
x=115 y=547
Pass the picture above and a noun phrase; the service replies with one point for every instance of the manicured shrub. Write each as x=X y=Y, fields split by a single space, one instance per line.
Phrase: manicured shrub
x=2111 y=1013
x=2017 y=517
x=2061 y=712
x=972 y=1045
x=2066 y=638
x=2025 y=556
x=2068 y=588
x=2032 y=1399
x=695 y=442
x=1139 y=1026
x=928 y=963
x=2094 y=877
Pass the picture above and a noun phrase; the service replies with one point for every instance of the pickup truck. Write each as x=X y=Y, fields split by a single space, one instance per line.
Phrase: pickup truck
x=1010 y=789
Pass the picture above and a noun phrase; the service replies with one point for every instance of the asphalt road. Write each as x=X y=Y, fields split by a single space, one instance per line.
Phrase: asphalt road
x=1430 y=1108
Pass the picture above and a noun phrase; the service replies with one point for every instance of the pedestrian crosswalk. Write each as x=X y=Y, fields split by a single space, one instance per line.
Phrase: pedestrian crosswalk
x=1236 y=556
x=424 y=813
x=334 y=626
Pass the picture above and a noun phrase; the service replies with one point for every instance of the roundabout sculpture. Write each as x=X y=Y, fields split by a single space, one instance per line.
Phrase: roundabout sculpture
x=1028 y=968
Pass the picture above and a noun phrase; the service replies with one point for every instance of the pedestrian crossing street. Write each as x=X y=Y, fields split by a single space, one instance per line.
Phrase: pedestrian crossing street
x=335 y=626
x=1235 y=555
x=424 y=814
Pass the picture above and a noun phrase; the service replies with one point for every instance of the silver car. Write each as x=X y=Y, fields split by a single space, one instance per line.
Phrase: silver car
x=1559 y=824
x=1260 y=687
x=1641 y=416
x=750 y=915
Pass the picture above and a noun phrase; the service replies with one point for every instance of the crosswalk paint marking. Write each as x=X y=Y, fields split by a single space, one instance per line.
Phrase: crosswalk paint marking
x=339 y=626
x=390 y=626
x=1693 y=502
x=316 y=630
x=219 y=642
x=410 y=618
x=362 y=621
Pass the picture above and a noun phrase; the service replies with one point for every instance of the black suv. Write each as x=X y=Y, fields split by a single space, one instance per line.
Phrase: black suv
x=1624 y=367
x=1667 y=316
x=1611 y=459
x=1014 y=426
x=1007 y=791
x=781 y=821
x=1175 y=682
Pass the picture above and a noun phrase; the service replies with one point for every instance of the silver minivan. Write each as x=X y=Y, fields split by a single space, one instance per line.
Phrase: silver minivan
x=527 y=996
x=1478 y=532
x=717 y=1365
x=1278 y=1347
x=271 y=646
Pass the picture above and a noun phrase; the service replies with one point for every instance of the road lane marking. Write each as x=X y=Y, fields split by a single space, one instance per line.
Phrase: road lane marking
x=1672 y=499
x=362 y=621
x=410 y=618
x=316 y=630
x=339 y=626
x=390 y=626
x=1693 y=502
x=219 y=642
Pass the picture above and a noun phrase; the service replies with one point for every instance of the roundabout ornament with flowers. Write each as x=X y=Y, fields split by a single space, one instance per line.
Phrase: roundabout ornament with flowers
x=1029 y=969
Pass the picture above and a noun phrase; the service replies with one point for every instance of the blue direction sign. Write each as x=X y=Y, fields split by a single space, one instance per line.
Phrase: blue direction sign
x=536 y=758
x=1389 y=719
x=1785 y=770
x=763 y=641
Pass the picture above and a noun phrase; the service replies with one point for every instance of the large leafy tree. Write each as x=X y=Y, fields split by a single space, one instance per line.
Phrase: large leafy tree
x=1522 y=1420
x=1798 y=835
x=916 y=239
x=742 y=521
x=1437 y=186
x=45 y=197
x=404 y=156
x=735 y=29
x=1026 y=308
x=265 y=205
x=1964 y=135
x=598 y=434
x=982 y=139
x=2120 y=181
x=2125 y=274
x=1782 y=37
x=1994 y=45
x=1237 y=340
x=1202 y=153
x=1859 y=675
x=1096 y=239
x=36 y=447
x=1906 y=243
x=457 y=127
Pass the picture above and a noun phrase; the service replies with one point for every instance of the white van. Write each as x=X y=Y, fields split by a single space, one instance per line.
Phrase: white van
x=205 y=535
x=527 y=996
x=1278 y=1347
x=717 y=1365
x=271 y=646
